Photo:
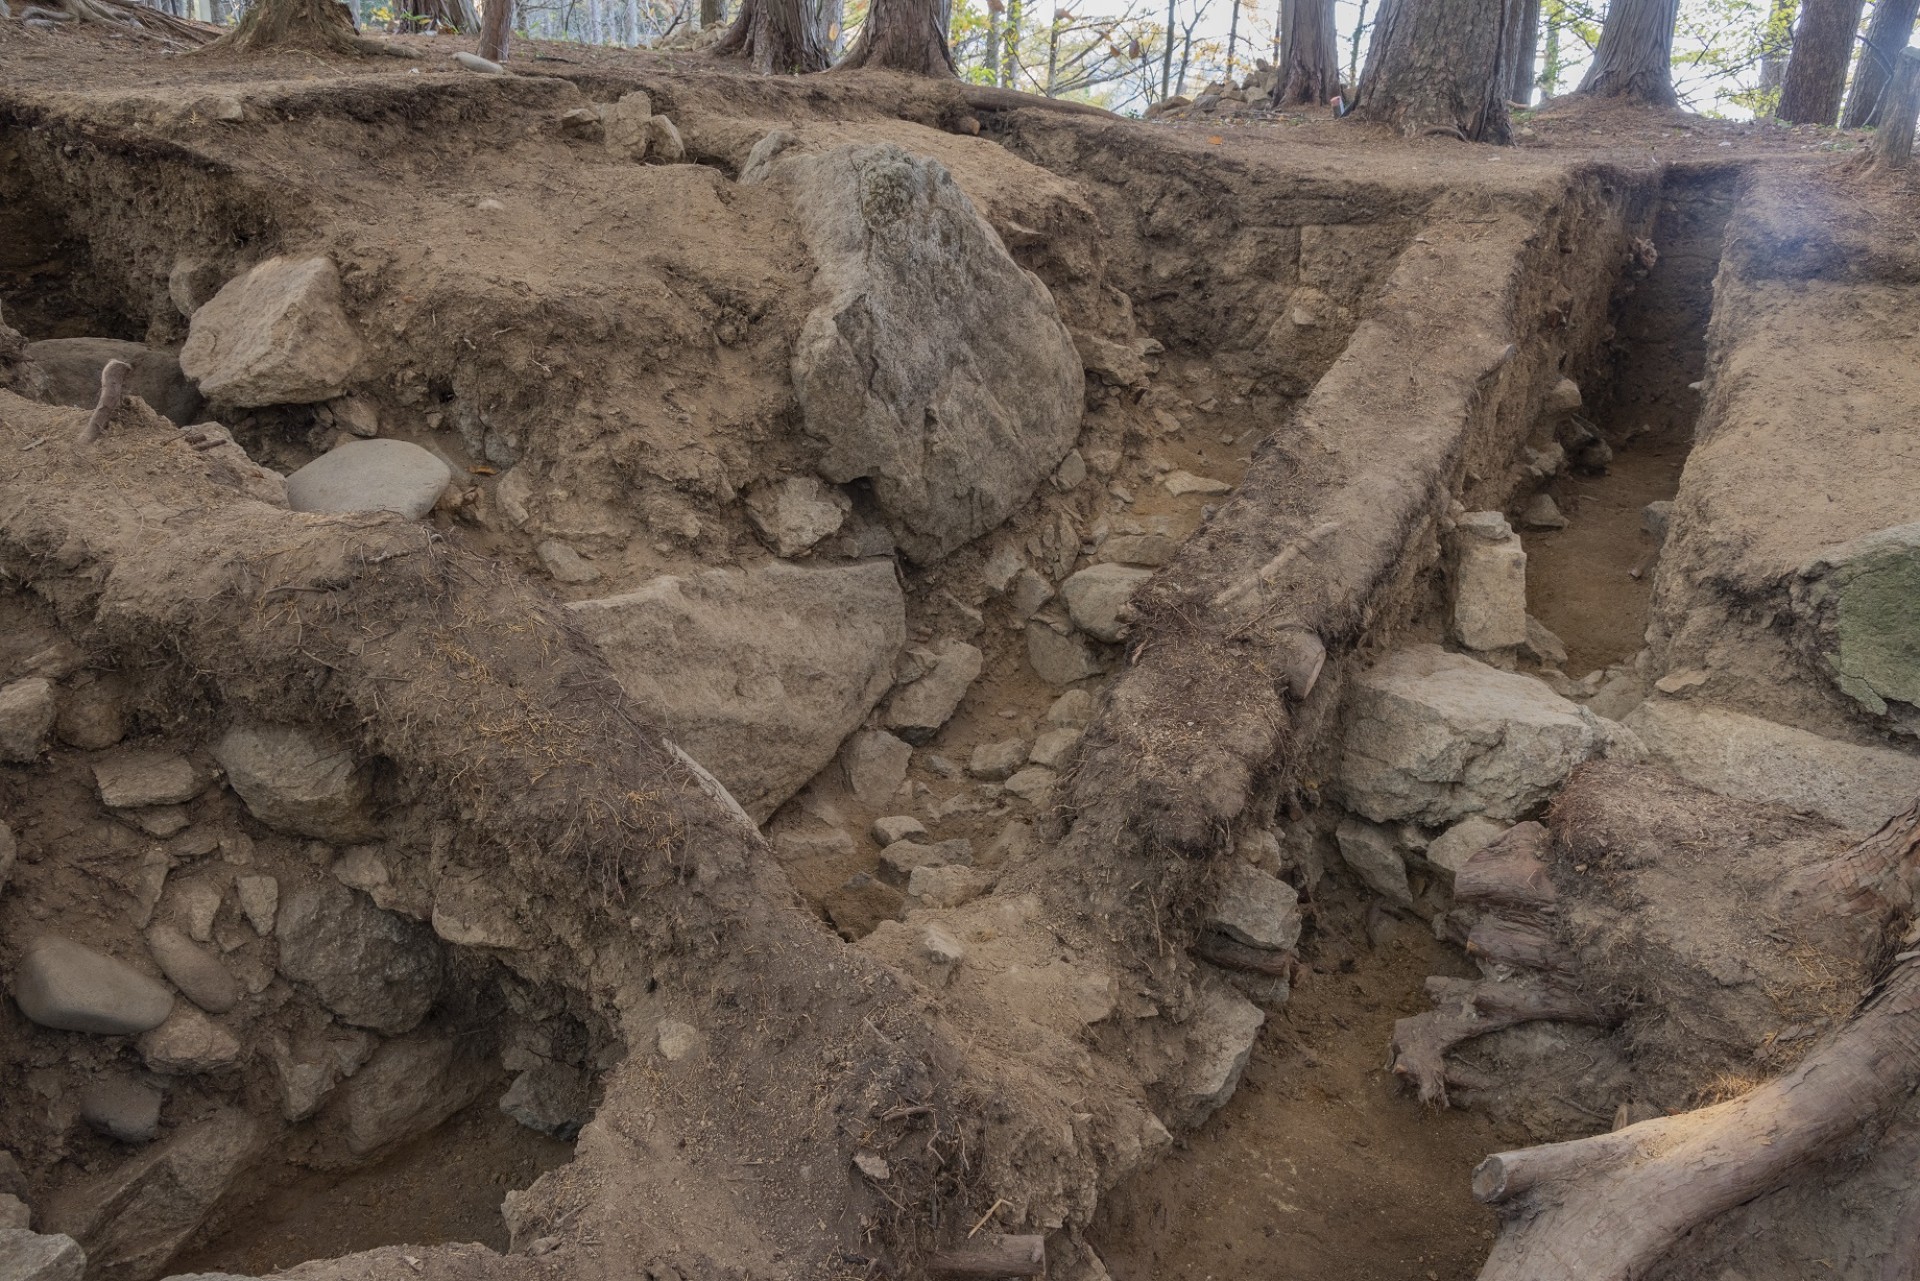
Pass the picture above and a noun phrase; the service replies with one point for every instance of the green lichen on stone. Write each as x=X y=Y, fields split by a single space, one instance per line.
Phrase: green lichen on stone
x=1876 y=622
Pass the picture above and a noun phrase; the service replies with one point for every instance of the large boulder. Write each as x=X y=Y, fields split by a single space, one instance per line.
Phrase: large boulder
x=62 y=984
x=1859 y=606
x=32 y=1256
x=274 y=336
x=758 y=673
x=135 y=1217
x=73 y=365
x=922 y=706
x=294 y=781
x=934 y=366
x=407 y=1088
x=371 y=968
x=1433 y=737
x=370 y=476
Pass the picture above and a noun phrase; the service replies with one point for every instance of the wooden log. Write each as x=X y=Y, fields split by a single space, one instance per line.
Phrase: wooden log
x=1508 y=873
x=992 y=1254
x=1610 y=1207
x=1892 y=145
x=113 y=390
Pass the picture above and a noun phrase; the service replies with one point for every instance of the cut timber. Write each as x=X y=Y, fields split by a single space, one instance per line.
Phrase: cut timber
x=992 y=1255
x=1608 y=1208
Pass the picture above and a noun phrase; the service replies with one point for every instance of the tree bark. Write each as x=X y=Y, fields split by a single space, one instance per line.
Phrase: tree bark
x=318 y=25
x=496 y=29
x=1311 y=72
x=906 y=35
x=1440 y=66
x=1892 y=146
x=776 y=37
x=712 y=13
x=1520 y=85
x=1817 y=69
x=1888 y=31
x=1635 y=57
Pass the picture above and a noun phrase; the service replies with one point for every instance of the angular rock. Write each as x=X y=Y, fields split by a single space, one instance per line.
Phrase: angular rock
x=902 y=858
x=875 y=763
x=1489 y=590
x=997 y=760
x=1543 y=513
x=919 y=710
x=934 y=365
x=1758 y=760
x=198 y=902
x=308 y=1069
x=189 y=1042
x=277 y=335
x=371 y=968
x=760 y=673
x=563 y=563
x=793 y=514
x=1072 y=710
x=625 y=123
x=134 y=1218
x=294 y=781
x=259 y=900
x=33 y=1256
x=1655 y=517
x=947 y=885
x=897 y=827
x=60 y=984
x=161 y=821
x=1257 y=910
x=1034 y=784
x=407 y=1088
x=1450 y=850
x=1057 y=659
x=1181 y=483
x=192 y=969
x=93 y=716
x=1097 y=598
x=1542 y=646
x=26 y=718
x=370 y=476
x=356 y=414
x=1140 y=549
x=664 y=146
x=1219 y=1035
x=1053 y=748
x=583 y=123
x=1030 y=592
x=190 y=283
x=1374 y=856
x=550 y=1099
x=1564 y=398
x=14 y=1217
x=122 y=1109
x=73 y=365
x=1433 y=737
x=470 y=912
x=861 y=904
x=1857 y=606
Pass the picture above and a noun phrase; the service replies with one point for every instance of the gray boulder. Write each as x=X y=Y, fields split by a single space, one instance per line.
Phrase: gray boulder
x=919 y=709
x=407 y=1088
x=194 y=970
x=550 y=1099
x=1257 y=910
x=277 y=335
x=1450 y=850
x=14 y=1214
x=73 y=365
x=1097 y=597
x=1433 y=737
x=33 y=1256
x=371 y=968
x=1489 y=583
x=60 y=984
x=26 y=718
x=132 y=1219
x=934 y=366
x=189 y=1042
x=998 y=760
x=294 y=781
x=1219 y=1039
x=875 y=763
x=122 y=1109
x=793 y=514
x=370 y=476
x=1059 y=659
x=1372 y=854
x=761 y=673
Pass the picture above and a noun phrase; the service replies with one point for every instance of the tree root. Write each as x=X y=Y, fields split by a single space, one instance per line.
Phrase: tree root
x=113 y=390
x=989 y=98
x=1466 y=1009
x=124 y=14
x=320 y=26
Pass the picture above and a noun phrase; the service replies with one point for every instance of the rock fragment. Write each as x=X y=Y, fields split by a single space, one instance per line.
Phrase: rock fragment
x=61 y=984
x=918 y=711
x=793 y=514
x=189 y=1042
x=564 y=563
x=33 y=1256
x=1374 y=856
x=192 y=969
x=137 y=779
x=550 y=1099
x=26 y=718
x=1257 y=910
x=1489 y=588
x=1097 y=598
x=371 y=968
x=294 y=781
x=875 y=763
x=122 y=1109
x=370 y=476
x=277 y=335
x=1058 y=659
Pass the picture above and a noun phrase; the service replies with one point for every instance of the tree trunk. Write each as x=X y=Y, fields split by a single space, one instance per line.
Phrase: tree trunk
x=1439 y=66
x=1166 y=55
x=496 y=29
x=1892 y=146
x=776 y=37
x=318 y=25
x=1520 y=85
x=1817 y=70
x=1010 y=49
x=1888 y=31
x=905 y=35
x=1233 y=37
x=1607 y=1208
x=712 y=13
x=994 y=12
x=1353 y=48
x=1311 y=72
x=1777 y=40
x=1635 y=56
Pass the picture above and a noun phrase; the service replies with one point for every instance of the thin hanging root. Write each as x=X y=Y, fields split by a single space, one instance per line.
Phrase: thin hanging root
x=113 y=390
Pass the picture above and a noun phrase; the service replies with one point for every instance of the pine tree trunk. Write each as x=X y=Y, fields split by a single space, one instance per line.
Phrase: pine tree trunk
x=1779 y=39
x=1887 y=34
x=776 y=37
x=1893 y=143
x=905 y=35
x=1440 y=66
x=1520 y=85
x=1010 y=51
x=712 y=13
x=1233 y=37
x=496 y=29
x=1817 y=70
x=1311 y=72
x=1635 y=56
x=994 y=11
x=1166 y=56
x=319 y=25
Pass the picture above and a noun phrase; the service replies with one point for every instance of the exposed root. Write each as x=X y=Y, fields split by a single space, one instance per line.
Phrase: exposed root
x=124 y=14
x=317 y=25
x=1466 y=1009
x=113 y=390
